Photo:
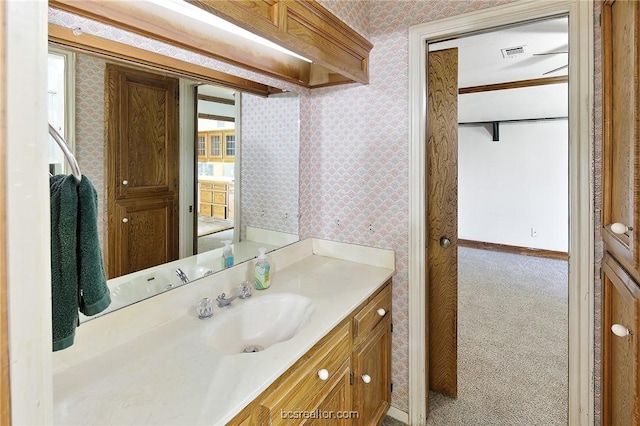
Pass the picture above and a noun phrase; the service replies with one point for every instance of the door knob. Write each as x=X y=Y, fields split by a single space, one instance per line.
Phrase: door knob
x=125 y=182
x=125 y=220
x=445 y=242
x=620 y=228
x=366 y=378
x=620 y=330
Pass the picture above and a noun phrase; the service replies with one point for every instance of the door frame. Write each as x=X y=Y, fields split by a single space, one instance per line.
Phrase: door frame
x=581 y=220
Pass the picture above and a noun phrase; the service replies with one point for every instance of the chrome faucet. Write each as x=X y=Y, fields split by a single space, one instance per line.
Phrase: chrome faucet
x=244 y=291
x=183 y=277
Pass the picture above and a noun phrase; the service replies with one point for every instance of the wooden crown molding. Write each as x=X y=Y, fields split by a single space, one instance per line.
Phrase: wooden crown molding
x=113 y=50
x=339 y=54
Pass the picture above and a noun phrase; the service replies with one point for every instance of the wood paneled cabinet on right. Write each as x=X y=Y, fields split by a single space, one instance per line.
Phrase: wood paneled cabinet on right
x=620 y=213
x=345 y=379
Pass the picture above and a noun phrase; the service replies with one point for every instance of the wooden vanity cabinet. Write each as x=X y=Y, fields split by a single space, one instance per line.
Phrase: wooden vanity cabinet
x=305 y=390
x=356 y=390
x=214 y=200
x=372 y=359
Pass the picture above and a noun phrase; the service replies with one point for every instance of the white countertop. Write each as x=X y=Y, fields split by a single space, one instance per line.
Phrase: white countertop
x=150 y=363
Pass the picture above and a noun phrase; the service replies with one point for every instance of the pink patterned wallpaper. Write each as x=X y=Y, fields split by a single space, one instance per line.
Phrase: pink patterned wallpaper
x=270 y=160
x=90 y=128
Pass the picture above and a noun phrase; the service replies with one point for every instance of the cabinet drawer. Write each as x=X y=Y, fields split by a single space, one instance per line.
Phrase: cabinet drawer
x=332 y=356
x=369 y=316
x=219 y=212
x=206 y=196
x=220 y=198
x=205 y=210
x=206 y=185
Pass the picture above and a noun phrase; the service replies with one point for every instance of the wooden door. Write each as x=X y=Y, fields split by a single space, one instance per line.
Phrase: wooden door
x=621 y=131
x=621 y=380
x=442 y=221
x=372 y=370
x=142 y=178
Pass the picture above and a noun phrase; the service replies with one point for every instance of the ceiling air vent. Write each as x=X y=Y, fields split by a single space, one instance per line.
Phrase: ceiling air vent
x=512 y=52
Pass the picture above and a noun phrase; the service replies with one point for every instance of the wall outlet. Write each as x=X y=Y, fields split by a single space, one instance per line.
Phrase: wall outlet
x=534 y=232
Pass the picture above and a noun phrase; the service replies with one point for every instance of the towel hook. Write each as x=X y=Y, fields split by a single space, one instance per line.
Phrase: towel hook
x=75 y=168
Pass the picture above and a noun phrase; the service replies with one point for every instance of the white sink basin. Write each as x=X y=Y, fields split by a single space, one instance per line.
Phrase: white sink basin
x=141 y=287
x=253 y=325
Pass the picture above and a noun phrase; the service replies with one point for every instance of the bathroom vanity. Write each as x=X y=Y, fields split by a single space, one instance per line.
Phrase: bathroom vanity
x=155 y=362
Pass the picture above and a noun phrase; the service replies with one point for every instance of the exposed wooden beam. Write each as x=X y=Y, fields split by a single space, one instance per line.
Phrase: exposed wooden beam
x=216 y=117
x=216 y=99
x=514 y=84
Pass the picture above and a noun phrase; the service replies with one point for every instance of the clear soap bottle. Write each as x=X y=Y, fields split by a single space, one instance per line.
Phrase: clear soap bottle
x=263 y=271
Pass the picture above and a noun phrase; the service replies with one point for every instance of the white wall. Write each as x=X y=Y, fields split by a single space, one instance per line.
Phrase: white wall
x=27 y=211
x=508 y=187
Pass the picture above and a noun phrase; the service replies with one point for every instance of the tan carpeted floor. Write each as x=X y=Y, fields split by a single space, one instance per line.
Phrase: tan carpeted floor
x=512 y=343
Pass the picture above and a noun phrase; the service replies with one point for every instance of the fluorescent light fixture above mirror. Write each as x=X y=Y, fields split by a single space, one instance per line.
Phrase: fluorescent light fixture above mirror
x=187 y=9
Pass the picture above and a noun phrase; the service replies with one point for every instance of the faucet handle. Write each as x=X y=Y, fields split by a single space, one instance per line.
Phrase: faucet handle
x=244 y=290
x=222 y=301
x=205 y=308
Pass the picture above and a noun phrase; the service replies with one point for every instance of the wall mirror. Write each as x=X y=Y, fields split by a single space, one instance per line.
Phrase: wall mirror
x=236 y=169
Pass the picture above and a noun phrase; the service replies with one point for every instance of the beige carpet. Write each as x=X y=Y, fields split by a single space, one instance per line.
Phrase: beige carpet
x=512 y=343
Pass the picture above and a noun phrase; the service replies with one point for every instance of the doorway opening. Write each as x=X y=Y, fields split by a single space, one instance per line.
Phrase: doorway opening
x=512 y=226
x=216 y=148
x=581 y=221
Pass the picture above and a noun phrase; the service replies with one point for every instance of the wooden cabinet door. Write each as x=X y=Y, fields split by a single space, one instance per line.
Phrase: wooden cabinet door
x=334 y=408
x=372 y=372
x=621 y=101
x=142 y=157
x=620 y=379
x=143 y=237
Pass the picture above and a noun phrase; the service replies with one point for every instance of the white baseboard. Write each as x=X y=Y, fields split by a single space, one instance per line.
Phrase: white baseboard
x=398 y=414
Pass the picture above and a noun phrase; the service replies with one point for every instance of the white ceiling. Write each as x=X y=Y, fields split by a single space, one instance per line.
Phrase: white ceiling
x=481 y=61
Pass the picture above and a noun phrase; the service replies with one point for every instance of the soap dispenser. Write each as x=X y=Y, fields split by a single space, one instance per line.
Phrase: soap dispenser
x=227 y=254
x=263 y=269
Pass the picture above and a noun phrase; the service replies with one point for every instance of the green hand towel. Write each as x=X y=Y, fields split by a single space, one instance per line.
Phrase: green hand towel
x=77 y=271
